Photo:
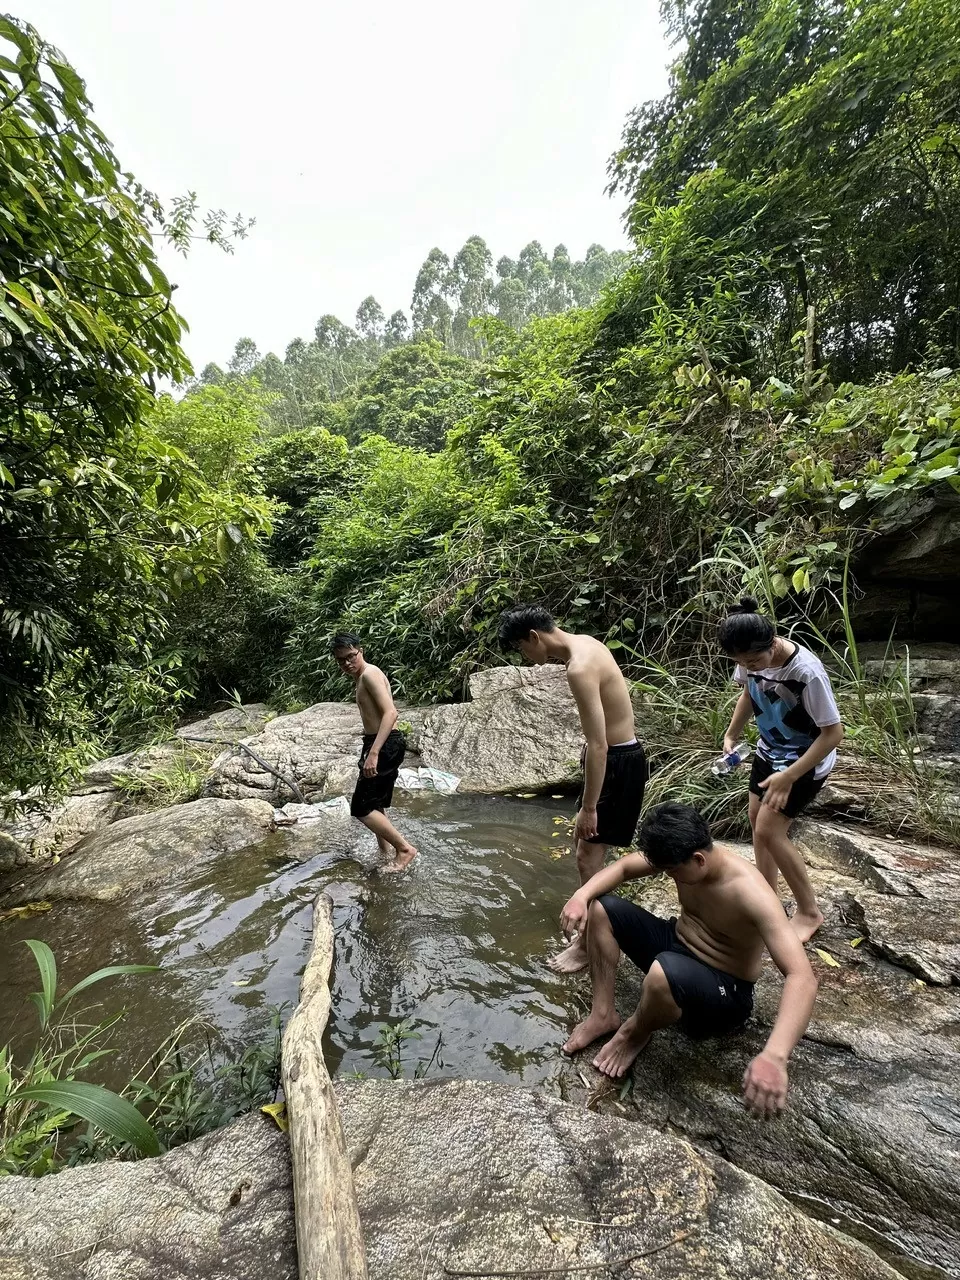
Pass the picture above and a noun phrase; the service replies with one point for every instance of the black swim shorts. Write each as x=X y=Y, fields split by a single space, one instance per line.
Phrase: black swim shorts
x=714 y=1003
x=621 y=796
x=377 y=792
x=802 y=792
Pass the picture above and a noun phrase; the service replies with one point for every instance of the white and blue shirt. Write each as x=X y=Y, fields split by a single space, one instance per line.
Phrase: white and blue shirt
x=792 y=704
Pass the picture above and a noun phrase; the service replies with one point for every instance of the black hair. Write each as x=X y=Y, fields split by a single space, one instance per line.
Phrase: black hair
x=672 y=833
x=345 y=640
x=519 y=620
x=746 y=631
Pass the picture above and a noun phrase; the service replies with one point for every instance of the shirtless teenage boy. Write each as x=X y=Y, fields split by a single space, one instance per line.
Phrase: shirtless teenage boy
x=382 y=753
x=614 y=764
x=701 y=969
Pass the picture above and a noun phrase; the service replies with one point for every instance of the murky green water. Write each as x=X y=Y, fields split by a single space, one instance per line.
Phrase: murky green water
x=457 y=945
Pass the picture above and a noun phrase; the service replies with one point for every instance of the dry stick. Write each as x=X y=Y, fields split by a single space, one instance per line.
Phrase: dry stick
x=329 y=1235
x=591 y=1266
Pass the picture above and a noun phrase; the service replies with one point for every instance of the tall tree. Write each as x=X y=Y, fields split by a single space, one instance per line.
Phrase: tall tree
x=817 y=142
x=100 y=520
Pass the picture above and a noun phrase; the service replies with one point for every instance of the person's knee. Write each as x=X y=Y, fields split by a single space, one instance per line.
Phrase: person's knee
x=657 y=989
x=597 y=917
x=771 y=828
x=589 y=858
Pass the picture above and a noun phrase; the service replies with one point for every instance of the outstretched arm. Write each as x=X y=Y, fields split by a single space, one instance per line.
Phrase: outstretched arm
x=378 y=687
x=742 y=712
x=630 y=867
x=585 y=687
x=765 y=1081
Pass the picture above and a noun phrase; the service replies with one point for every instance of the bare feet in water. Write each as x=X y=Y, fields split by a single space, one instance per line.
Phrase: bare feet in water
x=591 y=1029
x=571 y=960
x=619 y=1054
x=806 y=925
x=401 y=861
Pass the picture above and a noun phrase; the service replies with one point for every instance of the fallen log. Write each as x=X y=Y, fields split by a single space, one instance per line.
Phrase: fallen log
x=329 y=1236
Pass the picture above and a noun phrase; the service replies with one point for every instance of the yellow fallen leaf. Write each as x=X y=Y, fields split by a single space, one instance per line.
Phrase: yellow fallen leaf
x=556 y=854
x=526 y=795
x=855 y=942
x=28 y=909
x=244 y=983
x=827 y=958
x=277 y=1111
x=556 y=797
x=920 y=982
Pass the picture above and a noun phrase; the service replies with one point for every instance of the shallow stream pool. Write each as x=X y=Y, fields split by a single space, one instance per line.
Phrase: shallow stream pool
x=457 y=944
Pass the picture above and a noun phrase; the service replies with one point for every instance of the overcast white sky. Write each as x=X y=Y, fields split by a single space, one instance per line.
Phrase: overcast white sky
x=360 y=135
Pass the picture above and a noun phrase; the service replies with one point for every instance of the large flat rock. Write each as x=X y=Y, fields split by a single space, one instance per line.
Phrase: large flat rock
x=150 y=849
x=449 y=1174
x=521 y=732
x=317 y=748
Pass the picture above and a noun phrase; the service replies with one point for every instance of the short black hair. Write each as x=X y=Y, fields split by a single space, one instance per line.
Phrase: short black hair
x=519 y=620
x=345 y=640
x=744 y=630
x=671 y=833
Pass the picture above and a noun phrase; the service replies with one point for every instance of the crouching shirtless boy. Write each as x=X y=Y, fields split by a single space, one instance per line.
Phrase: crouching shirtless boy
x=701 y=969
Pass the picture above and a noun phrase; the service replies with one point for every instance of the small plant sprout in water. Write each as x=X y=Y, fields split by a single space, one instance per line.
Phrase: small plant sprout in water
x=388 y=1049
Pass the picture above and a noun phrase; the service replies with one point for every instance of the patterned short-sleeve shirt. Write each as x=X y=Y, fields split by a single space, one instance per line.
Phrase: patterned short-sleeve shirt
x=792 y=704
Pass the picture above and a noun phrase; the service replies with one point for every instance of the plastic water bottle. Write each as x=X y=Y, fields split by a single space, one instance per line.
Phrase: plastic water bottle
x=727 y=763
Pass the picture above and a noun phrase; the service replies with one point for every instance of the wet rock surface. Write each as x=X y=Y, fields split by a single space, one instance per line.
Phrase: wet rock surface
x=150 y=849
x=449 y=1174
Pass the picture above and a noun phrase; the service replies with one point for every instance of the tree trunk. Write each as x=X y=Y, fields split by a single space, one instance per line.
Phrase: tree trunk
x=329 y=1237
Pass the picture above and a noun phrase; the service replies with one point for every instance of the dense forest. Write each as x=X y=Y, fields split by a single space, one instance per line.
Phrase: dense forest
x=763 y=382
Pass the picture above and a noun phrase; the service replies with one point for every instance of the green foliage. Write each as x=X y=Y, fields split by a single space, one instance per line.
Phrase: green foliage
x=175 y=781
x=41 y=1099
x=194 y=1084
x=218 y=428
x=813 y=145
x=414 y=395
x=300 y=470
x=389 y=1045
x=101 y=521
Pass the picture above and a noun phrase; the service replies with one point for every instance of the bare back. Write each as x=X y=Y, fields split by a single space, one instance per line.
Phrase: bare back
x=592 y=663
x=374 y=697
x=720 y=919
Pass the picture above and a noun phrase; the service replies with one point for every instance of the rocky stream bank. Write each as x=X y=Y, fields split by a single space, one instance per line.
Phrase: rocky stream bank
x=474 y=1176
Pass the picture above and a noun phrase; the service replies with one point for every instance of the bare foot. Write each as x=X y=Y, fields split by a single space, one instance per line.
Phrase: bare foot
x=571 y=960
x=805 y=924
x=618 y=1055
x=401 y=861
x=590 y=1029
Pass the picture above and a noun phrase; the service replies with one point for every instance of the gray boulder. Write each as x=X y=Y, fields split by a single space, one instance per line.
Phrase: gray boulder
x=476 y=1177
x=317 y=748
x=521 y=732
x=230 y=725
x=57 y=829
x=150 y=849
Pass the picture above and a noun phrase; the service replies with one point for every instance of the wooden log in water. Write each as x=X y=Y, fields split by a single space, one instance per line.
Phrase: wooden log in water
x=329 y=1237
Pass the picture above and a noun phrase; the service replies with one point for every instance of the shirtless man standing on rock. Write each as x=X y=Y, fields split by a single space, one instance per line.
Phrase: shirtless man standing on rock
x=614 y=764
x=382 y=754
x=701 y=969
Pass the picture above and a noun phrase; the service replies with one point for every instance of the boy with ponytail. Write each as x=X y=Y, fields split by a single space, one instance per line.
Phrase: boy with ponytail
x=787 y=690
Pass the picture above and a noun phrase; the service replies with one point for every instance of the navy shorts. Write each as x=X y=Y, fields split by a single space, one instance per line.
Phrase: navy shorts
x=801 y=793
x=377 y=792
x=714 y=1003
